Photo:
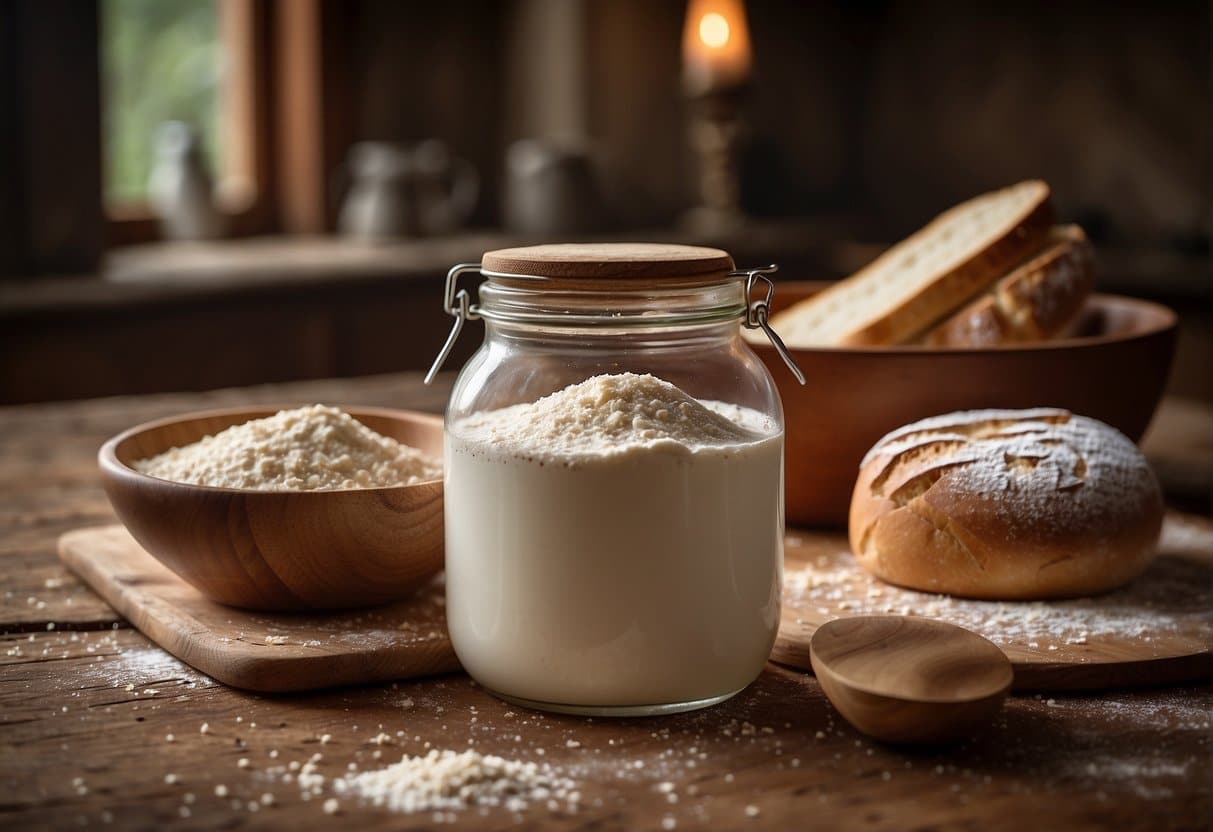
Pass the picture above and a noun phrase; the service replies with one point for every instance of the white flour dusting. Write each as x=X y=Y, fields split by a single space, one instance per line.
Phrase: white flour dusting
x=1097 y=754
x=1160 y=711
x=1174 y=594
x=1049 y=465
x=139 y=667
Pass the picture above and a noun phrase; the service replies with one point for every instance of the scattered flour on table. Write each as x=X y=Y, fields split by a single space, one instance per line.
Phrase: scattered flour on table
x=610 y=414
x=1100 y=754
x=1161 y=711
x=137 y=667
x=314 y=448
x=419 y=619
x=1173 y=595
x=446 y=780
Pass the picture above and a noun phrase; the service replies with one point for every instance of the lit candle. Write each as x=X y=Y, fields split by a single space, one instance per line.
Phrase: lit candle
x=715 y=46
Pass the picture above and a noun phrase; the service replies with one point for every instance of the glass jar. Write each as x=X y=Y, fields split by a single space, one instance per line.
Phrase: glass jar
x=616 y=548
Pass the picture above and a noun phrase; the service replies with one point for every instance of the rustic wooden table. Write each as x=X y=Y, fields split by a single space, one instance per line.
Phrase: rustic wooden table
x=98 y=726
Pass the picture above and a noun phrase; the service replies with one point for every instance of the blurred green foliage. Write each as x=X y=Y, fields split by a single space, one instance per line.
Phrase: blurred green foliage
x=161 y=61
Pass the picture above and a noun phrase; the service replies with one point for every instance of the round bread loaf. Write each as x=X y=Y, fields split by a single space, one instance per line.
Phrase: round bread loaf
x=1006 y=504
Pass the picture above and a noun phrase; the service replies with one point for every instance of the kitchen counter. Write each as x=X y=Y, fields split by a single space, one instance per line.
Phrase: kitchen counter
x=94 y=718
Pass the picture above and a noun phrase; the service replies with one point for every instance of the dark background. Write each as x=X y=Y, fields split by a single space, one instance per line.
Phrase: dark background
x=888 y=111
x=865 y=119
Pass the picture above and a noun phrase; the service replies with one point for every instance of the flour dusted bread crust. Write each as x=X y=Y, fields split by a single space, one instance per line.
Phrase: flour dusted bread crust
x=1006 y=504
x=1038 y=300
x=919 y=281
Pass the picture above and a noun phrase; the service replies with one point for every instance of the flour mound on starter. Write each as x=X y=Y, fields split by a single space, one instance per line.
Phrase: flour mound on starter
x=611 y=413
x=456 y=780
x=314 y=448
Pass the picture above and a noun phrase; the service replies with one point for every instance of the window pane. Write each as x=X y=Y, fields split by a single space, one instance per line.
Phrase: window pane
x=161 y=62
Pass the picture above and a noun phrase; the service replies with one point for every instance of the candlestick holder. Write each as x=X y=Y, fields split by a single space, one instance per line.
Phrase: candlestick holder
x=716 y=131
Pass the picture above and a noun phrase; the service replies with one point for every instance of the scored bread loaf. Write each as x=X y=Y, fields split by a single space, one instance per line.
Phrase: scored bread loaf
x=919 y=281
x=1036 y=301
x=1007 y=505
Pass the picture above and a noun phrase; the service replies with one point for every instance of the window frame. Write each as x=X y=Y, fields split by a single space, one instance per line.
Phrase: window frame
x=244 y=186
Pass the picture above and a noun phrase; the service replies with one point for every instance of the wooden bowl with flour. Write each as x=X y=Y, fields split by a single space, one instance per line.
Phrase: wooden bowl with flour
x=281 y=550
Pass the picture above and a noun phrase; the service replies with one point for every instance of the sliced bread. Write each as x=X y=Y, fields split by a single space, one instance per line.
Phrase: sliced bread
x=1038 y=300
x=919 y=281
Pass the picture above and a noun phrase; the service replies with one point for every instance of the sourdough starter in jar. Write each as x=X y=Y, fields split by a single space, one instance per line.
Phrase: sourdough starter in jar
x=617 y=544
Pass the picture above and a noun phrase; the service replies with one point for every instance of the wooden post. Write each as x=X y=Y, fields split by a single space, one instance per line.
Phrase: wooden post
x=311 y=130
x=50 y=123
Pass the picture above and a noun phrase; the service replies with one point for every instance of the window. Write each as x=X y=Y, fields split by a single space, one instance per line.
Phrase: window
x=161 y=61
x=193 y=61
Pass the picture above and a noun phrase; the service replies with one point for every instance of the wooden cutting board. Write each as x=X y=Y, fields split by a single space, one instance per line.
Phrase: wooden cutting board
x=1156 y=632
x=1159 y=630
x=260 y=651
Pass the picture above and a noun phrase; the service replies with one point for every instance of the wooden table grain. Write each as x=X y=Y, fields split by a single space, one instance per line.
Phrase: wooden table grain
x=99 y=728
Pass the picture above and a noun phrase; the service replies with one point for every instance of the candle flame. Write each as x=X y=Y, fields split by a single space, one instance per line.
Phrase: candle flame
x=713 y=30
x=716 y=51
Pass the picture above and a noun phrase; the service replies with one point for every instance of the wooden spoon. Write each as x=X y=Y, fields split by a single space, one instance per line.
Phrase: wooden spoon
x=909 y=680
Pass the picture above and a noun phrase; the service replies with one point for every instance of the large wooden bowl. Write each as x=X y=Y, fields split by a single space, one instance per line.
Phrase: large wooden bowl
x=281 y=550
x=1114 y=372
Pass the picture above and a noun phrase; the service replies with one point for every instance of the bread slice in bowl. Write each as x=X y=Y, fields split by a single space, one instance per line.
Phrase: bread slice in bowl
x=927 y=276
x=1038 y=300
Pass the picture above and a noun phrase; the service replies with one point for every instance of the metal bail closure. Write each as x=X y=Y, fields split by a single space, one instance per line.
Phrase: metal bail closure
x=458 y=304
x=758 y=309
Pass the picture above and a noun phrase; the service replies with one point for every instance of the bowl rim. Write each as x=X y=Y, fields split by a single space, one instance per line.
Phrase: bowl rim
x=111 y=465
x=1167 y=321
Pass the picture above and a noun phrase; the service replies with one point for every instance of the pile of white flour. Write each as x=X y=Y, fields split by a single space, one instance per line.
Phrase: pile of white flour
x=452 y=780
x=313 y=448
x=611 y=414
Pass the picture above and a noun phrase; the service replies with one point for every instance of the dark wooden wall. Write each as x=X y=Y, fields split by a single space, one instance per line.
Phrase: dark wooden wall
x=431 y=70
x=50 y=138
x=346 y=328
x=1109 y=101
x=894 y=109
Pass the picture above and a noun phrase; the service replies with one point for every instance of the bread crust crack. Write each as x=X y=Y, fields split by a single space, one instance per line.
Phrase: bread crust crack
x=943 y=526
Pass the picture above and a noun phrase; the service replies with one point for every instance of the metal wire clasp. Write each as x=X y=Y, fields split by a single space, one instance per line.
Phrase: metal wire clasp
x=458 y=304
x=757 y=310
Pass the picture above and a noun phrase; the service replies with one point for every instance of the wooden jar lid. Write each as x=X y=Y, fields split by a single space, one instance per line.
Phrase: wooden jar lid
x=611 y=262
